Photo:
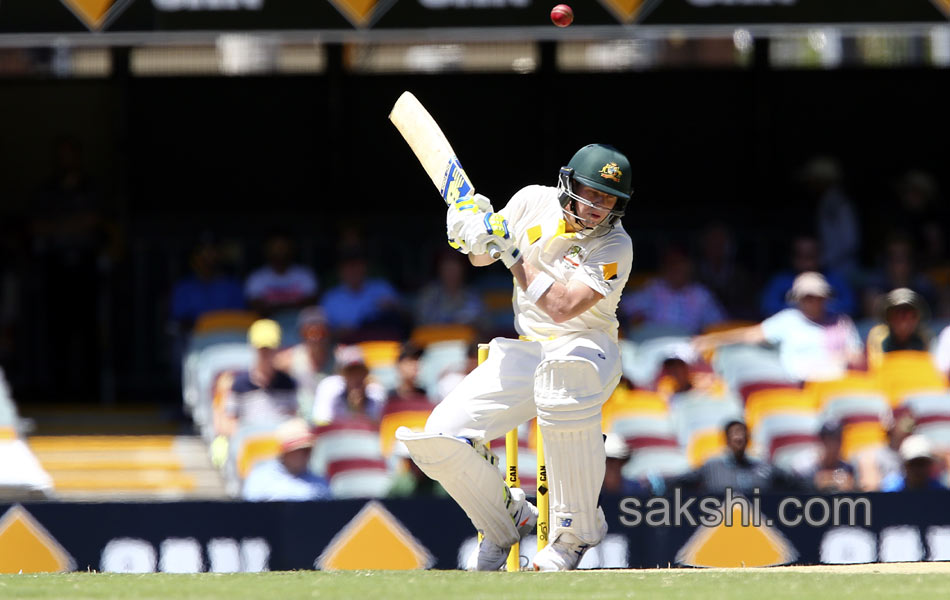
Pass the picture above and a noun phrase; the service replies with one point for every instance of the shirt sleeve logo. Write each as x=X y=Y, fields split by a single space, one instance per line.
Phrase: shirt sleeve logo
x=609 y=271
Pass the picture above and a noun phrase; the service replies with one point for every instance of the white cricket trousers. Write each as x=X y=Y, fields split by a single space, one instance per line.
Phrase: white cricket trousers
x=499 y=394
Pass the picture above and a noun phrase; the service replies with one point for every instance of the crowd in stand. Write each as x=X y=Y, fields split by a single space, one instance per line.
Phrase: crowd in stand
x=351 y=353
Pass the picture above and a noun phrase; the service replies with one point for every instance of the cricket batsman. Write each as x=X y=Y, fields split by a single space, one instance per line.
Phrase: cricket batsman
x=575 y=258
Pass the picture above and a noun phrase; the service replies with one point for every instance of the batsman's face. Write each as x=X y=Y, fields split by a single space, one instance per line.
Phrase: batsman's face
x=601 y=205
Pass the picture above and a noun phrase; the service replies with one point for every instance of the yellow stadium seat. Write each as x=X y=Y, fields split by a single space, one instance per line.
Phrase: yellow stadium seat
x=254 y=450
x=414 y=419
x=854 y=382
x=727 y=326
x=906 y=372
x=861 y=436
x=380 y=353
x=703 y=445
x=767 y=402
x=219 y=320
x=624 y=402
x=423 y=335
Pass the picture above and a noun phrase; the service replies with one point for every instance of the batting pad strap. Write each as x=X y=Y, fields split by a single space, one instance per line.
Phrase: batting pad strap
x=540 y=284
x=472 y=481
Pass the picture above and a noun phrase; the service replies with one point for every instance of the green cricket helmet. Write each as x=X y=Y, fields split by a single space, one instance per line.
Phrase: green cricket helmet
x=603 y=168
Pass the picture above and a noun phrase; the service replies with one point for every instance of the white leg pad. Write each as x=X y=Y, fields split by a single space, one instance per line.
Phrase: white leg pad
x=472 y=481
x=569 y=395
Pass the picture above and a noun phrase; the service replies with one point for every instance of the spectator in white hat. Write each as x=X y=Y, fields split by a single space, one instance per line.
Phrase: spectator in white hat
x=814 y=344
x=350 y=393
x=920 y=466
x=287 y=477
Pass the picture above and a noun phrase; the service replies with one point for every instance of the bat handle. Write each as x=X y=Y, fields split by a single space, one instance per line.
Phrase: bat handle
x=494 y=251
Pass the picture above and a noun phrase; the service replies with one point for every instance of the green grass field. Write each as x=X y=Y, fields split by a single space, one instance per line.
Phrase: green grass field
x=866 y=583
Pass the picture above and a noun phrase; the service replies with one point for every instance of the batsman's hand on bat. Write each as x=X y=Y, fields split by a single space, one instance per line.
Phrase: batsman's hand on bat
x=464 y=209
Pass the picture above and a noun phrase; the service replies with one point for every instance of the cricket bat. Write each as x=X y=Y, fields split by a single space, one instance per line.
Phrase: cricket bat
x=433 y=150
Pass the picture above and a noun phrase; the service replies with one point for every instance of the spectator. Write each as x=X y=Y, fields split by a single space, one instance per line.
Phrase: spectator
x=205 y=289
x=898 y=271
x=280 y=285
x=448 y=300
x=806 y=253
x=827 y=470
x=308 y=361
x=361 y=303
x=835 y=219
x=409 y=481
x=407 y=366
x=814 y=344
x=679 y=374
x=287 y=477
x=884 y=462
x=736 y=470
x=264 y=394
x=719 y=271
x=674 y=299
x=942 y=354
x=920 y=465
x=903 y=312
x=349 y=393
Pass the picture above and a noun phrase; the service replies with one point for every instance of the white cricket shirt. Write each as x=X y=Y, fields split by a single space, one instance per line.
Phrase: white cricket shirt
x=602 y=263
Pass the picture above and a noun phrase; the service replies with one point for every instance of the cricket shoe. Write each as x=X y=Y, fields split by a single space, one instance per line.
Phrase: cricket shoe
x=566 y=551
x=491 y=556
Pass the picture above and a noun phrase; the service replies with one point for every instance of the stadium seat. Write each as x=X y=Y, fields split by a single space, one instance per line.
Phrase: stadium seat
x=703 y=445
x=787 y=451
x=856 y=407
x=908 y=372
x=436 y=360
x=741 y=364
x=857 y=436
x=348 y=439
x=379 y=353
x=696 y=411
x=218 y=320
x=408 y=413
x=423 y=335
x=854 y=383
x=663 y=461
x=931 y=411
x=625 y=403
x=727 y=326
x=358 y=478
x=651 y=331
x=254 y=449
x=644 y=365
x=774 y=431
x=766 y=402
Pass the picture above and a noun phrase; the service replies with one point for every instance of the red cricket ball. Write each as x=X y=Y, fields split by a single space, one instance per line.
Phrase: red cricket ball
x=562 y=15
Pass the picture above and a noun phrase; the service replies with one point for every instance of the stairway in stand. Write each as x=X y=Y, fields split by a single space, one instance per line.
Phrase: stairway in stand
x=98 y=454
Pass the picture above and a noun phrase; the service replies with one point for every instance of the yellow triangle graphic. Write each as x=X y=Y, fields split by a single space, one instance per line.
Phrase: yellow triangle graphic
x=625 y=10
x=374 y=539
x=93 y=12
x=26 y=546
x=358 y=12
x=737 y=546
